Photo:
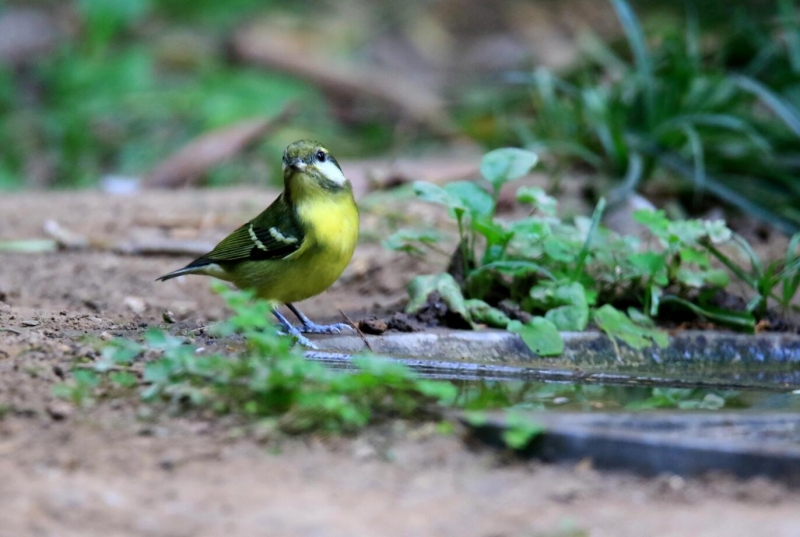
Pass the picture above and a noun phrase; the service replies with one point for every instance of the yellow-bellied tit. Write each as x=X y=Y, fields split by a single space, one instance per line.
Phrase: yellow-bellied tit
x=298 y=246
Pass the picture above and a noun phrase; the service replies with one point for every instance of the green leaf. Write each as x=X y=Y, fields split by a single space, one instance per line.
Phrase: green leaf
x=617 y=325
x=436 y=194
x=640 y=318
x=514 y=268
x=84 y=377
x=566 y=305
x=123 y=379
x=410 y=240
x=540 y=335
x=503 y=165
x=537 y=197
x=481 y=312
x=422 y=286
x=711 y=401
x=473 y=197
x=651 y=264
x=158 y=339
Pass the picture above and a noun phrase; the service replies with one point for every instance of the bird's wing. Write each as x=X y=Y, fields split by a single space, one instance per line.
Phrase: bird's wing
x=274 y=234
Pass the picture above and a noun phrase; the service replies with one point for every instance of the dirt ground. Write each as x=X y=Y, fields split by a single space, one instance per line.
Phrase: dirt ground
x=114 y=470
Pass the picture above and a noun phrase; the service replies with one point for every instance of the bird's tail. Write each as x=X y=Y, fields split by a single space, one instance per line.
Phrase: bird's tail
x=198 y=266
x=176 y=273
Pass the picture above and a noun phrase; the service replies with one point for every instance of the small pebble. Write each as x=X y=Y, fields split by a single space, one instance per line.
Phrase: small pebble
x=168 y=317
x=135 y=304
x=30 y=322
x=59 y=410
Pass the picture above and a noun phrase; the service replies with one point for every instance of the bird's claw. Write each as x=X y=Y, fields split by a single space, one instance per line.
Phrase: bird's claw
x=314 y=328
x=300 y=338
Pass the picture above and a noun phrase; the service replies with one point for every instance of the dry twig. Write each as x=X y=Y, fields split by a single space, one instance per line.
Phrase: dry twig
x=196 y=157
x=67 y=240
x=357 y=329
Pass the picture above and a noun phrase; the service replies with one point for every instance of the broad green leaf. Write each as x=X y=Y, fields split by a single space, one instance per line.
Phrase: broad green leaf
x=566 y=305
x=436 y=194
x=481 y=312
x=540 y=335
x=650 y=264
x=473 y=197
x=503 y=165
x=422 y=286
x=617 y=325
x=656 y=221
x=411 y=240
x=492 y=230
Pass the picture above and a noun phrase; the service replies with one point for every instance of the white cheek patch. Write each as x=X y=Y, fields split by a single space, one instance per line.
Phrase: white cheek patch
x=332 y=172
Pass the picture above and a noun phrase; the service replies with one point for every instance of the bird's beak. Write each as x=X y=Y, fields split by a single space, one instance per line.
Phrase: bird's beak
x=297 y=164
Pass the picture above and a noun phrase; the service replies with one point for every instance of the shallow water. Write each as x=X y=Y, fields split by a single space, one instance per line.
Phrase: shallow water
x=489 y=386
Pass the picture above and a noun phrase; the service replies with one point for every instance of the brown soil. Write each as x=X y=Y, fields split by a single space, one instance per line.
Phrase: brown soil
x=116 y=470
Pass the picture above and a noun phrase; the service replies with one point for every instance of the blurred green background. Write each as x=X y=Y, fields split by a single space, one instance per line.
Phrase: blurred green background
x=696 y=99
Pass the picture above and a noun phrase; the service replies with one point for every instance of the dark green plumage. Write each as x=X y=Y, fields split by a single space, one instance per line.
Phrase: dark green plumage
x=274 y=234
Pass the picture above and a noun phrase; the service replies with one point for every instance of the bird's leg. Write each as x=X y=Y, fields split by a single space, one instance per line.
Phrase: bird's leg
x=310 y=327
x=293 y=331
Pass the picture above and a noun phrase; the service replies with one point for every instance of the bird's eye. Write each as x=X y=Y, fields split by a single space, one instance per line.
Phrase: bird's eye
x=321 y=156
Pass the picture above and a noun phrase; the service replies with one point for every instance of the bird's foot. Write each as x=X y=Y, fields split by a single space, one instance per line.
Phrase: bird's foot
x=314 y=328
x=299 y=337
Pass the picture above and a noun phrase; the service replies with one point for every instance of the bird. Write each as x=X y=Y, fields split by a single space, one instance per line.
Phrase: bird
x=298 y=246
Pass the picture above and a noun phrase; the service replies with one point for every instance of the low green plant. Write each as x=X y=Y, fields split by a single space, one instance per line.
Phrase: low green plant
x=267 y=380
x=562 y=275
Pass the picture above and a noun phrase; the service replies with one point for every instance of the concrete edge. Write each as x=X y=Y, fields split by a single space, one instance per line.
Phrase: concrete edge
x=664 y=442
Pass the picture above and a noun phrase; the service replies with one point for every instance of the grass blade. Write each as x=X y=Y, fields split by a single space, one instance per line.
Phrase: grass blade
x=731 y=318
x=791 y=32
x=785 y=111
x=584 y=253
x=632 y=179
x=722 y=121
x=641 y=54
x=696 y=146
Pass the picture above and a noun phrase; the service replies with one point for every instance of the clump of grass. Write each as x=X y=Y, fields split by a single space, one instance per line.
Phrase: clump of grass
x=564 y=274
x=666 y=109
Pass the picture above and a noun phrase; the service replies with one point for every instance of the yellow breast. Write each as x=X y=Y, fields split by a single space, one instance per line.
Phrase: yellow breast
x=331 y=224
x=331 y=234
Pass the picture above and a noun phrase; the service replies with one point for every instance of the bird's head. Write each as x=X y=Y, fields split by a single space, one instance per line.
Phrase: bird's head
x=309 y=168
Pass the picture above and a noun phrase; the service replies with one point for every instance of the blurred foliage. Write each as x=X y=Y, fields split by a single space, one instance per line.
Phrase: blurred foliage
x=717 y=111
x=117 y=99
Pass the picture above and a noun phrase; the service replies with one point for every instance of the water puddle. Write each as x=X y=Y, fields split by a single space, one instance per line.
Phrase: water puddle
x=490 y=386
